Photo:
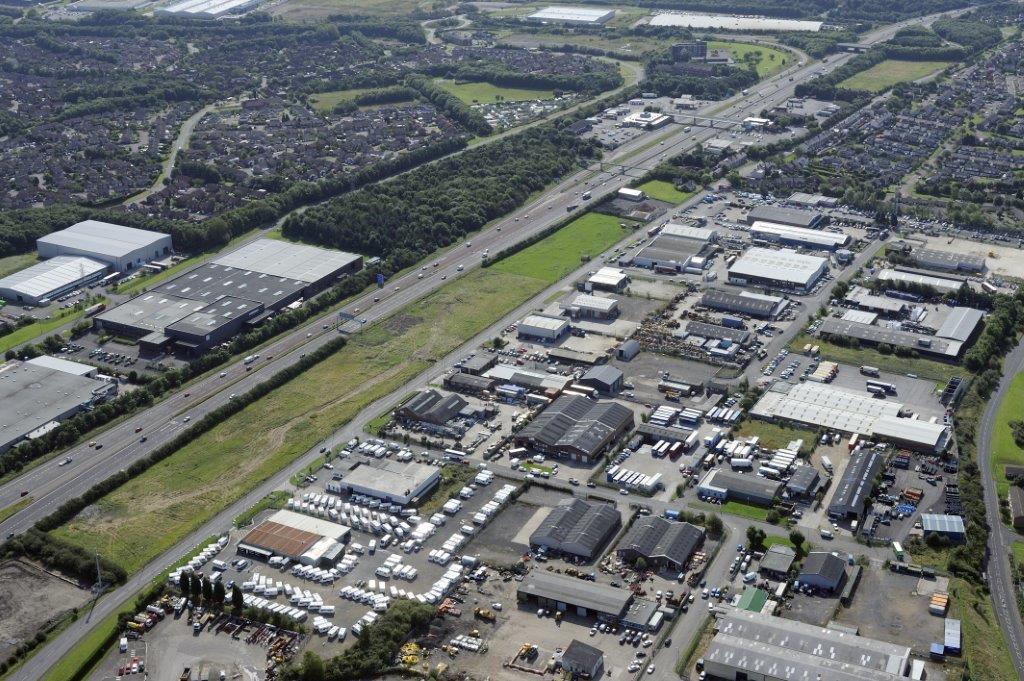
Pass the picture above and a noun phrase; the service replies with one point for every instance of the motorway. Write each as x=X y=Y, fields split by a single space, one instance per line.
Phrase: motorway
x=49 y=485
x=1000 y=537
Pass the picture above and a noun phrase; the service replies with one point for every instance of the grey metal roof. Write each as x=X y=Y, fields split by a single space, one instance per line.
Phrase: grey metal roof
x=895 y=337
x=803 y=481
x=823 y=564
x=942 y=284
x=785 y=216
x=655 y=537
x=945 y=524
x=948 y=260
x=855 y=486
x=32 y=396
x=211 y=281
x=102 y=237
x=581 y=655
x=433 y=407
x=288 y=260
x=578 y=423
x=753 y=305
x=775 y=232
x=740 y=336
x=752 y=485
x=783 y=265
x=50 y=275
x=778 y=558
x=152 y=311
x=960 y=324
x=594 y=596
x=603 y=374
x=587 y=524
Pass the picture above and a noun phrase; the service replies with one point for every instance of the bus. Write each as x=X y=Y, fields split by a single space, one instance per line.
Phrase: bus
x=897 y=549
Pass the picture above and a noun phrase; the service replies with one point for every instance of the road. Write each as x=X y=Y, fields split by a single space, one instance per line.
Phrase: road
x=1000 y=538
x=50 y=485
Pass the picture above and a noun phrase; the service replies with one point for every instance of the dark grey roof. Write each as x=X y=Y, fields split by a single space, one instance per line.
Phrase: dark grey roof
x=478 y=363
x=656 y=537
x=785 y=216
x=571 y=590
x=581 y=655
x=469 y=381
x=804 y=480
x=578 y=423
x=751 y=485
x=715 y=331
x=582 y=523
x=825 y=565
x=948 y=260
x=433 y=407
x=778 y=558
x=960 y=324
x=760 y=306
x=855 y=486
x=896 y=337
x=603 y=374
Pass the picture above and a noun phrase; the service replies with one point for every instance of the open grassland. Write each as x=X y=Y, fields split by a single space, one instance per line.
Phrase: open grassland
x=768 y=60
x=485 y=93
x=984 y=643
x=940 y=372
x=661 y=190
x=1018 y=551
x=559 y=254
x=13 y=263
x=774 y=436
x=149 y=514
x=1004 y=450
x=733 y=507
x=311 y=10
x=326 y=101
x=889 y=72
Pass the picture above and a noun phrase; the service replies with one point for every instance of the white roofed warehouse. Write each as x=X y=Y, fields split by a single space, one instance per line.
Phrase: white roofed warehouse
x=46 y=281
x=392 y=481
x=543 y=328
x=782 y=269
x=300 y=538
x=122 y=248
x=565 y=14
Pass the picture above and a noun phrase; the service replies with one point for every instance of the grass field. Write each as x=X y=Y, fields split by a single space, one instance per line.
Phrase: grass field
x=735 y=508
x=769 y=60
x=773 y=539
x=326 y=101
x=889 y=72
x=149 y=514
x=562 y=252
x=13 y=263
x=984 y=643
x=940 y=372
x=1018 y=552
x=1004 y=449
x=774 y=436
x=485 y=93
x=664 y=191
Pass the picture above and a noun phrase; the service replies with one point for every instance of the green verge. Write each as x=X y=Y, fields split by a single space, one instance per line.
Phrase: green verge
x=277 y=499
x=14 y=508
x=150 y=513
x=737 y=508
x=39 y=329
x=939 y=372
x=1004 y=449
x=985 y=648
x=660 y=190
x=885 y=74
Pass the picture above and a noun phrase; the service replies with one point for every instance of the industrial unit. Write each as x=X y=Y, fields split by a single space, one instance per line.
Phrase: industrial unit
x=564 y=14
x=297 y=537
x=662 y=543
x=392 y=481
x=869 y=334
x=782 y=269
x=863 y=299
x=543 y=328
x=725 y=485
x=122 y=248
x=211 y=303
x=827 y=406
x=777 y=561
x=577 y=528
x=744 y=302
x=648 y=120
x=561 y=592
x=961 y=324
x=751 y=645
x=854 y=488
x=947 y=261
x=940 y=284
x=430 y=407
x=822 y=570
x=576 y=427
x=527 y=379
x=949 y=526
x=37 y=395
x=207 y=9
x=787 y=235
x=583 y=660
x=676 y=248
x=793 y=217
x=46 y=281
x=604 y=379
x=589 y=306
x=608 y=279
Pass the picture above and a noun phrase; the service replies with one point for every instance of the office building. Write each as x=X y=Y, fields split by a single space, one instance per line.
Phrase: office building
x=46 y=281
x=577 y=528
x=782 y=269
x=122 y=248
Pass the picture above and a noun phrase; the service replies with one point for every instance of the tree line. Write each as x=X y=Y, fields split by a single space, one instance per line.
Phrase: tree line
x=450 y=105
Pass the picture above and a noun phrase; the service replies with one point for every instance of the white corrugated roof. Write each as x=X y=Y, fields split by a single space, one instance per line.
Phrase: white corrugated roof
x=779 y=265
x=102 y=237
x=54 y=274
x=287 y=260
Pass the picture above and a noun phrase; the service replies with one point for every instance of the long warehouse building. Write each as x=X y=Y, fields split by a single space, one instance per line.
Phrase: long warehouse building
x=46 y=281
x=123 y=248
x=782 y=269
x=211 y=303
x=793 y=217
x=787 y=235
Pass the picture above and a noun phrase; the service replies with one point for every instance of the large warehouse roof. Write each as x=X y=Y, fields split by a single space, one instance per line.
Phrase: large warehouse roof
x=212 y=281
x=39 y=280
x=657 y=538
x=65 y=365
x=915 y=431
x=854 y=487
x=579 y=523
x=745 y=302
x=895 y=337
x=296 y=536
x=593 y=596
x=784 y=216
x=961 y=324
x=689 y=232
x=153 y=311
x=577 y=423
x=102 y=237
x=779 y=265
x=392 y=477
x=775 y=232
x=573 y=14
x=290 y=261
x=750 y=485
x=773 y=647
x=948 y=260
x=508 y=373
x=941 y=284
x=862 y=297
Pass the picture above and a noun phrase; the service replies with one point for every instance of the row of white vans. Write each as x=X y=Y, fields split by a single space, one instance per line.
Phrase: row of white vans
x=393 y=567
x=202 y=559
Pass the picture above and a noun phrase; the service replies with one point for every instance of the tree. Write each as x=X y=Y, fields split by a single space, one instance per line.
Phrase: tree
x=798 y=539
x=219 y=593
x=207 y=589
x=237 y=600
x=197 y=590
x=313 y=668
x=713 y=525
x=640 y=564
x=185 y=583
x=756 y=537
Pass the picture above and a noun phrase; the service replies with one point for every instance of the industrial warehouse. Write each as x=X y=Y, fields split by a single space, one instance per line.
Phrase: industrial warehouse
x=787 y=235
x=208 y=305
x=577 y=528
x=782 y=269
x=299 y=538
x=48 y=280
x=676 y=248
x=40 y=393
x=565 y=14
x=793 y=217
x=661 y=543
x=576 y=427
x=122 y=248
x=561 y=592
x=744 y=302
x=391 y=481
x=869 y=334
x=832 y=407
x=207 y=9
